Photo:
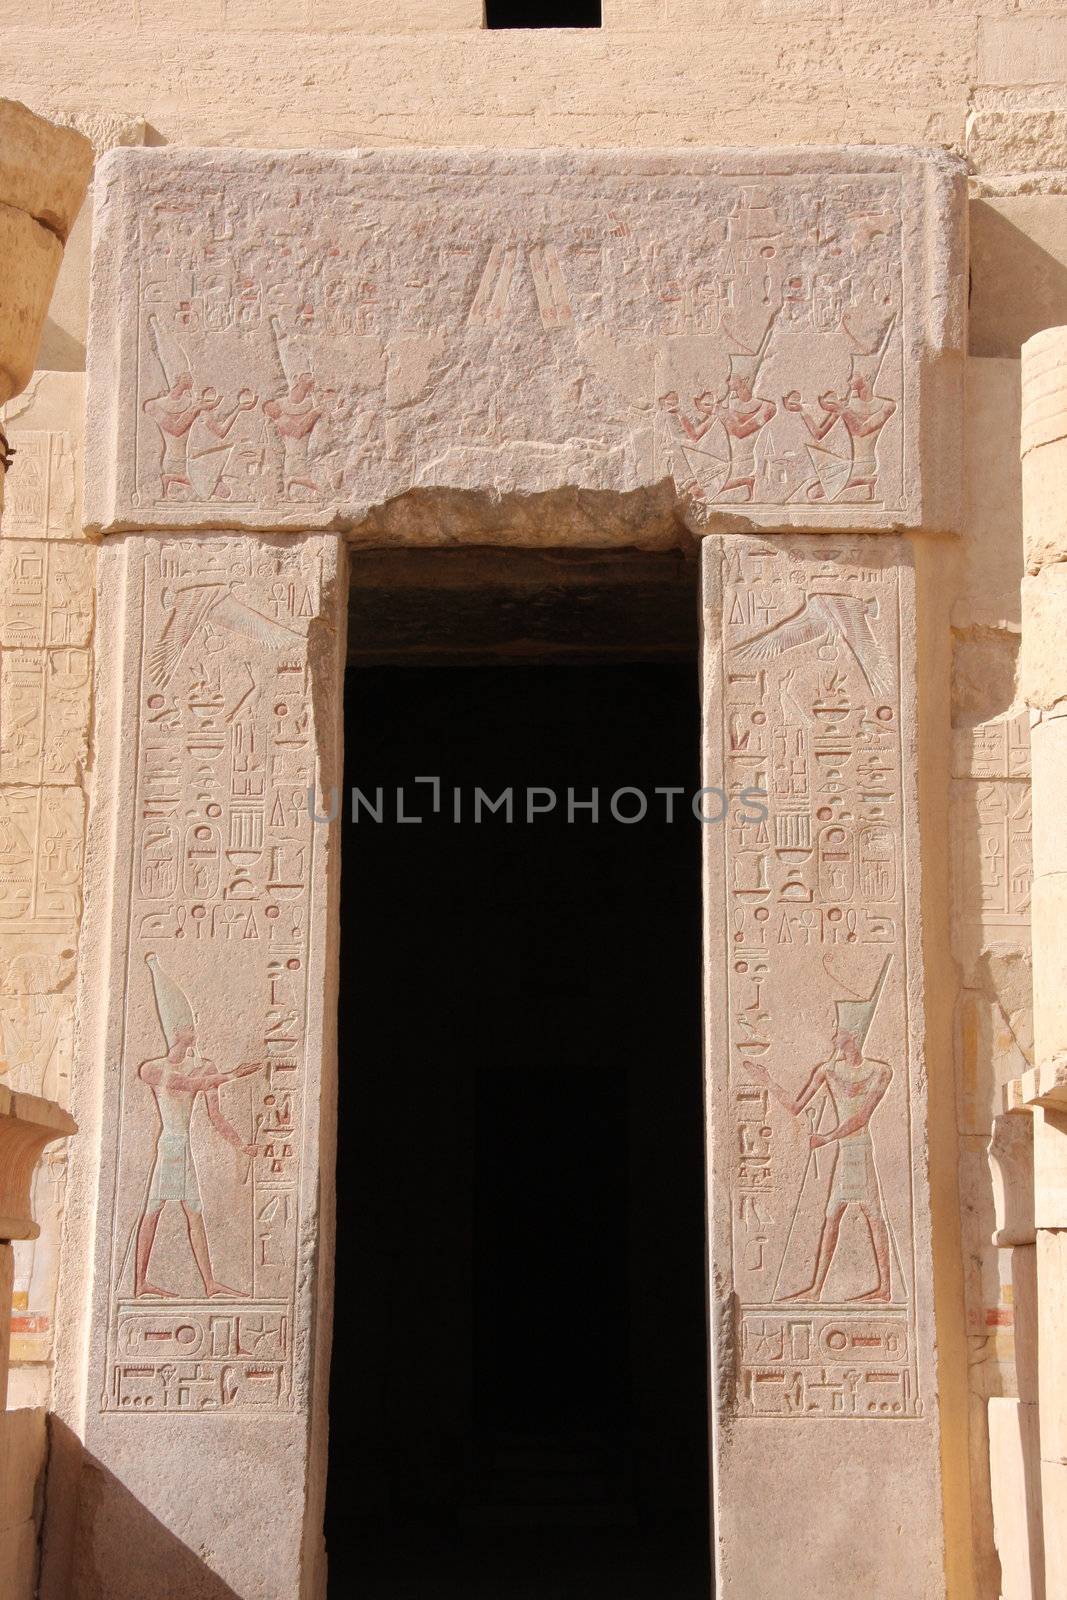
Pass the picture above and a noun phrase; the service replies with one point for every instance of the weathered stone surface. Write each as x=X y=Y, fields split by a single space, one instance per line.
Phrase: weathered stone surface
x=1043 y=1085
x=43 y=175
x=46 y=617
x=29 y=1387
x=1044 y=448
x=27 y=1124
x=1019 y=139
x=209 y=981
x=1018 y=245
x=45 y=428
x=1054 y=1521
x=991 y=880
x=1048 y=740
x=1052 y=1289
x=1023 y=1261
x=1016 y=1484
x=1050 y=971
x=44 y=169
x=322 y=335
x=31 y=256
x=1011 y=1165
x=1043 y=662
x=886 y=77
x=1050 y=1168
x=63 y=337
x=991 y=550
x=23 y=1443
x=820 y=1250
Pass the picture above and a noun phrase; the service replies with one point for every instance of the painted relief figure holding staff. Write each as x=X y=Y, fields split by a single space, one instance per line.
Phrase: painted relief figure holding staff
x=175 y=1080
x=855 y=1086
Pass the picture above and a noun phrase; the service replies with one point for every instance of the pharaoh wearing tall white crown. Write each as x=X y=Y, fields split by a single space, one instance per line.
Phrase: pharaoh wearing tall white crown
x=294 y=413
x=863 y=414
x=175 y=1080
x=854 y=1084
x=742 y=415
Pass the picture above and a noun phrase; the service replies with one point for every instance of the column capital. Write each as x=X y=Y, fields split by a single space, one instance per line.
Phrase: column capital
x=27 y=1124
x=44 y=173
x=1044 y=389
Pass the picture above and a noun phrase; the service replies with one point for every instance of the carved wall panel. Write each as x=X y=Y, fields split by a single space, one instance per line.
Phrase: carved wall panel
x=991 y=883
x=220 y=716
x=46 y=622
x=292 y=341
x=821 y=1235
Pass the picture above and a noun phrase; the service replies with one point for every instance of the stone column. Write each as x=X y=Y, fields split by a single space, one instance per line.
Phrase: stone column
x=27 y=1125
x=1044 y=682
x=44 y=172
x=208 y=1011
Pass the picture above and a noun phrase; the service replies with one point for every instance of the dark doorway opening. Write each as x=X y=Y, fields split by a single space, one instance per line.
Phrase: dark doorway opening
x=518 y=1393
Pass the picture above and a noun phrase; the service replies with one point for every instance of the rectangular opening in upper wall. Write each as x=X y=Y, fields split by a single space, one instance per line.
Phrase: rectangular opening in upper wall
x=542 y=14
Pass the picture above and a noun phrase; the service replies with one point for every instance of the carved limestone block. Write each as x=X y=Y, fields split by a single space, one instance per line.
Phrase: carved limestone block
x=741 y=339
x=42 y=839
x=1015 y=1470
x=207 y=976
x=821 y=1245
x=45 y=427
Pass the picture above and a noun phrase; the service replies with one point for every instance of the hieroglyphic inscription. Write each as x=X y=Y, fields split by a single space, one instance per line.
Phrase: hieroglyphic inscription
x=317 y=338
x=813 y=1106
x=46 y=622
x=214 y=1069
x=991 y=792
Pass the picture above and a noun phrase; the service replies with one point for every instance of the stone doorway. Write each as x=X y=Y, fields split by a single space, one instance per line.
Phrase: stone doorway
x=519 y=1406
x=550 y=381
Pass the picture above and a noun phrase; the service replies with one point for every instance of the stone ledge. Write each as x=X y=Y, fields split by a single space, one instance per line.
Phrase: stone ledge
x=1042 y=1086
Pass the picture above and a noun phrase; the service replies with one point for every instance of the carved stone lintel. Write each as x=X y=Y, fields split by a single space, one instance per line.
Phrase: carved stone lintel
x=729 y=339
x=27 y=1125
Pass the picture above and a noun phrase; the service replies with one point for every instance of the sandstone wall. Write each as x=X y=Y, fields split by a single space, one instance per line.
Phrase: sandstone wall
x=989 y=82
